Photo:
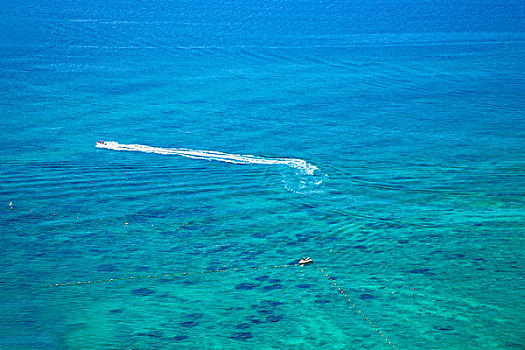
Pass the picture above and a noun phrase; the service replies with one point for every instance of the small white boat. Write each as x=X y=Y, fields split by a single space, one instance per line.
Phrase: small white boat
x=304 y=261
x=101 y=142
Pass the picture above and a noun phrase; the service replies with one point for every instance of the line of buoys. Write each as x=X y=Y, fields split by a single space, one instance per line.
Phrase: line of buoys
x=301 y=263
x=54 y=215
x=176 y=274
x=352 y=303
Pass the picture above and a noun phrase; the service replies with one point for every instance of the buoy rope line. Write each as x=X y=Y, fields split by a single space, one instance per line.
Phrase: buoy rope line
x=77 y=218
x=130 y=223
x=165 y=275
x=352 y=303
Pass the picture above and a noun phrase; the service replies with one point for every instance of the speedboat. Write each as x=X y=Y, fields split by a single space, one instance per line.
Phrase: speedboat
x=304 y=261
x=101 y=142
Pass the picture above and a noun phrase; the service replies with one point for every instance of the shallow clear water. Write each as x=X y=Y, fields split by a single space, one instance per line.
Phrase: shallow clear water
x=414 y=120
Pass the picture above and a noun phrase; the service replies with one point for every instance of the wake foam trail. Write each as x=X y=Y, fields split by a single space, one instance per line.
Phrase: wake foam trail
x=299 y=164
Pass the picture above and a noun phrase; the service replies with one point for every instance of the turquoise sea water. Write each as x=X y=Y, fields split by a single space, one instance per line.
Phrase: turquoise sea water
x=413 y=116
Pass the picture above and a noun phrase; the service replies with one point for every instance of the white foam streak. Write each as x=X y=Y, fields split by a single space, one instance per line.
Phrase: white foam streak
x=299 y=164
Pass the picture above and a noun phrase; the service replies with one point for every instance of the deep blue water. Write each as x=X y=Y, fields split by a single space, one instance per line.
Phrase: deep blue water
x=413 y=115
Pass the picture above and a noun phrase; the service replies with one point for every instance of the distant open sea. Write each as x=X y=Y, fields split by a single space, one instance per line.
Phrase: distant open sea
x=383 y=139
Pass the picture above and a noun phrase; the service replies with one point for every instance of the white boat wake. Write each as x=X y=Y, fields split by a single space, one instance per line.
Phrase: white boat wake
x=299 y=164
